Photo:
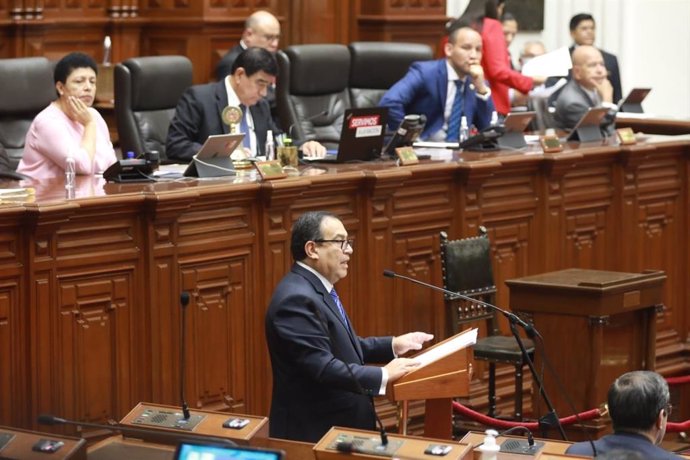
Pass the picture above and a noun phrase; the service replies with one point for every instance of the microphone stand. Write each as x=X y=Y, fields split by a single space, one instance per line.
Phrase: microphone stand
x=550 y=419
x=184 y=301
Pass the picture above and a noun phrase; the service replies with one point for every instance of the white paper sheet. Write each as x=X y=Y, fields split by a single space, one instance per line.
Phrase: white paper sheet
x=461 y=341
x=556 y=63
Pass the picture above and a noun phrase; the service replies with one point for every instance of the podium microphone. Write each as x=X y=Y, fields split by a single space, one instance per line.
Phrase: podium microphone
x=184 y=301
x=512 y=317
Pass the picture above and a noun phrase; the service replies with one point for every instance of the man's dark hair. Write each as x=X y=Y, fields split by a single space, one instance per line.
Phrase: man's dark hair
x=254 y=60
x=508 y=16
x=306 y=228
x=635 y=400
x=70 y=63
x=453 y=28
x=578 y=18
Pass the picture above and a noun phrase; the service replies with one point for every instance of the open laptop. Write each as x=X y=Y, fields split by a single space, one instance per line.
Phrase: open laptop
x=588 y=129
x=361 y=137
x=632 y=103
x=514 y=127
x=196 y=450
x=213 y=159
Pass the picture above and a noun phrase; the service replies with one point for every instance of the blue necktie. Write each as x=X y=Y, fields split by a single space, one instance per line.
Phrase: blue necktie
x=244 y=127
x=452 y=134
x=336 y=299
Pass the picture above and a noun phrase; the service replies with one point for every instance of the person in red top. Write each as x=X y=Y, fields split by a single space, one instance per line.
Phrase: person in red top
x=482 y=15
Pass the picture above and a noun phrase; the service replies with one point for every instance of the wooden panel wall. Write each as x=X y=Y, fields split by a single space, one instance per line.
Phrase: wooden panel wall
x=203 y=30
x=89 y=288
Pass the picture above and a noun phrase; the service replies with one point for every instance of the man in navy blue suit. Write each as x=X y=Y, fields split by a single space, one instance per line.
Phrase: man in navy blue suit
x=429 y=88
x=639 y=407
x=321 y=375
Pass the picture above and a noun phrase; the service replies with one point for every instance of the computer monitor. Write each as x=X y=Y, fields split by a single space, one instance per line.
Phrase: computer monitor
x=589 y=127
x=196 y=450
x=633 y=101
x=515 y=125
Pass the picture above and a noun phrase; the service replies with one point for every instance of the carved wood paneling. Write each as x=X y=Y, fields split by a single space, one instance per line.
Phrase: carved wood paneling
x=109 y=266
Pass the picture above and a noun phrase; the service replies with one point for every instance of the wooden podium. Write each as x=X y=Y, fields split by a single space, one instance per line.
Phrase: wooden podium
x=438 y=382
x=596 y=326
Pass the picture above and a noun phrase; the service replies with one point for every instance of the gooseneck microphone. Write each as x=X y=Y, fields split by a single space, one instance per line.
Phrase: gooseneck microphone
x=174 y=438
x=348 y=446
x=512 y=317
x=184 y=301
x=550 y=419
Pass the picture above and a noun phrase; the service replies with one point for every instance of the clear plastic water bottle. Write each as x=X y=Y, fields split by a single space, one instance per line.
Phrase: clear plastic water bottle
x=270 y=150
x=464 y=130
x=70 y=171
x=494 y=118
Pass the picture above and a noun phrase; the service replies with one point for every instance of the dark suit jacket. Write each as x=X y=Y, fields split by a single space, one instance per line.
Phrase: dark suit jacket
x=224 y=67
x=572 y=103
x=423 y=90
x=309 y=344
x=198 y=115
x=623 y=441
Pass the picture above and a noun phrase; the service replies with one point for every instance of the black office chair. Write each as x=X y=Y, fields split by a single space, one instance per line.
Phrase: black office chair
x=146 y=93
x=26 y=88
x=466 y=265
x=311 y=91
x=376 y=66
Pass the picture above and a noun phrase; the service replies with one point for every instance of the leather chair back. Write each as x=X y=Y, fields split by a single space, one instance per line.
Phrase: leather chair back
x=26 y=88
x=147 y=90
x=376 y=66
x=311 y=91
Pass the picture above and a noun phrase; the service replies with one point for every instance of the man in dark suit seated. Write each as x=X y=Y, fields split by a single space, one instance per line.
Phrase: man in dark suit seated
x=441 y=88
x=583 y=32
x=199 y=112
x=588 y=88
x=320 y=372
x=639 y=407
x=261 y=29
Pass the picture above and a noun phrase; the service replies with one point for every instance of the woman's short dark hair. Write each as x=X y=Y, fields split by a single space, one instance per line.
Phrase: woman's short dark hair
x=70 y=63
x=635 y=400
x=254 y=60
x=306 y=228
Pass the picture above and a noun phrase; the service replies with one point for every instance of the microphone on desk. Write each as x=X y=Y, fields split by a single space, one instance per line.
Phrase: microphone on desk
x=311 y=118
x=175 y=437
x=512 y=317
x=347 y=446
x=184 y=301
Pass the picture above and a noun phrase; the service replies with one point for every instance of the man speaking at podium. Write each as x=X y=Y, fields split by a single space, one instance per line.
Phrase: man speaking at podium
x=320 y=376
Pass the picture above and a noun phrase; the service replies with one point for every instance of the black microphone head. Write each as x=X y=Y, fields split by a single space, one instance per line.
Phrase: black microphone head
x=48 y=419
x=184 y=298
x=389 y=273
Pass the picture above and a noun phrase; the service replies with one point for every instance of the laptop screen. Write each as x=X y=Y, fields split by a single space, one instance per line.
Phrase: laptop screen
x=361 y=137
x=188 y=450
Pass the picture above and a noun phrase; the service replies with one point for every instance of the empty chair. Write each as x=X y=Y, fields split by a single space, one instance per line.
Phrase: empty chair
x=376 y=66
x=26 y=88
x=146 y=93
x=311 y=91
x=466 y=265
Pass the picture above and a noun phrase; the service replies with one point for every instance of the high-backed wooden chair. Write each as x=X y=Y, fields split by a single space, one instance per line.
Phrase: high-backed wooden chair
x=467 y=270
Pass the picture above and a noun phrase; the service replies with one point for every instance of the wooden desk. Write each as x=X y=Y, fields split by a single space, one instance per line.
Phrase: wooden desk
x=22 y=441
x=89 y=287
x=653 y=125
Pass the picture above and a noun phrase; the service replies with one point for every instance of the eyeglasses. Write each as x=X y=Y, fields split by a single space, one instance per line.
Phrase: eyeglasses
x=271 y=37
x=343 y=243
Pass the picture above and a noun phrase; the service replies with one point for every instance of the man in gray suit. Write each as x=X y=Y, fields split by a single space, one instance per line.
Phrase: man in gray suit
x=589 y=88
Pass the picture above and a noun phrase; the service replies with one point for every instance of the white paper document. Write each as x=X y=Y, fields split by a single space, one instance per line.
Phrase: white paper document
x=556 y=63
x=463 y=340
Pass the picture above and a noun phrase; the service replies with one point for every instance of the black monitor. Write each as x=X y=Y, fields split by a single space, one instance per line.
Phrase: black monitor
x=196 y=450
x=409 y=130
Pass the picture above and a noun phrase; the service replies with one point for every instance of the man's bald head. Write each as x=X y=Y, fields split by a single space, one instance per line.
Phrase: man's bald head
x=588 y=66
x=262 y=29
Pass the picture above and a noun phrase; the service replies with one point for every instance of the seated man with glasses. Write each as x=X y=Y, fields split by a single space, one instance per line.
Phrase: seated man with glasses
x=261 y=29
x=639 y=407
x=321 y=375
